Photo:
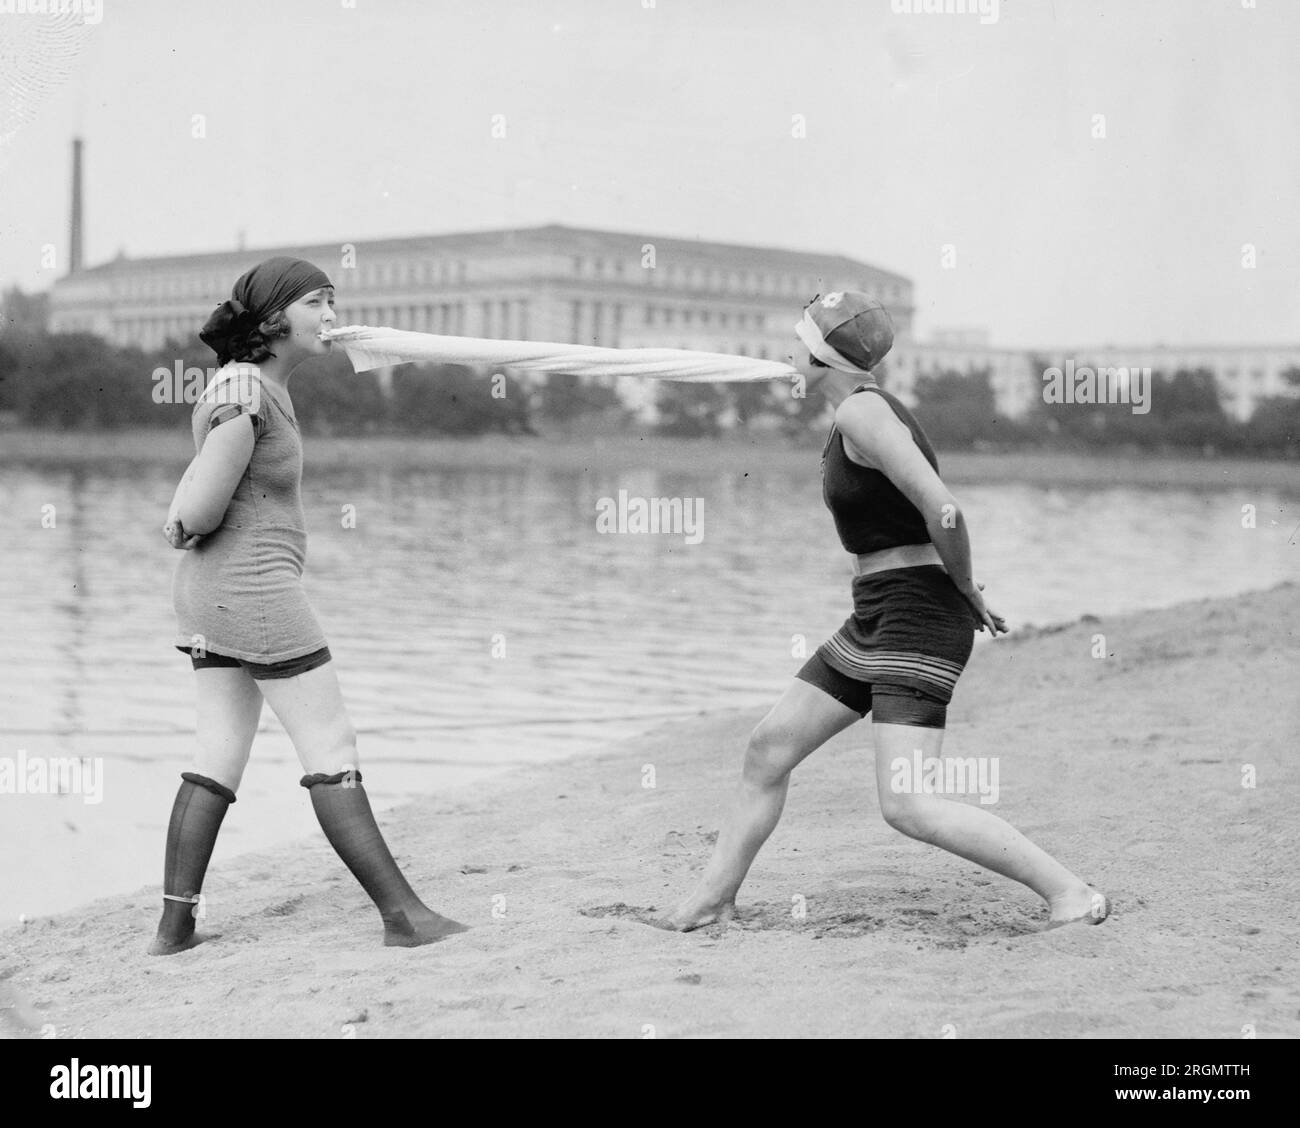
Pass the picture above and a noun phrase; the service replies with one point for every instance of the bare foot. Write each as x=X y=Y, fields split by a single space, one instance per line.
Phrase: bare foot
x=416 y=927
x=161 y=946
x=1082 y=905
x=693 y=914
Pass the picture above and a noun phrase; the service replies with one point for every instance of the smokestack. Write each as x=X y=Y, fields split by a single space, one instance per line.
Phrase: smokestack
x=74 y=234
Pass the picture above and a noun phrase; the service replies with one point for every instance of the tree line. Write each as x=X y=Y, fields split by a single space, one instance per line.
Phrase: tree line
x=74 y=381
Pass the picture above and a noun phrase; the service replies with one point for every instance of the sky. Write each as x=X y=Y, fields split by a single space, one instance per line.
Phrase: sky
x=962 y=149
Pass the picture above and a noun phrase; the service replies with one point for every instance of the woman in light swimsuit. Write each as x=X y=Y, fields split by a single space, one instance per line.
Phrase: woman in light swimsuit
x=898 y=656
x=243 y=617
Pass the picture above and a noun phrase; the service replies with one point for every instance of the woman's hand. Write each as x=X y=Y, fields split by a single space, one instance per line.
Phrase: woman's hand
x=177 y=537
x=987 y=618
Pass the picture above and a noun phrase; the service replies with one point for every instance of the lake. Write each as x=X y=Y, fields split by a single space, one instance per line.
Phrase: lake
x=480 y=618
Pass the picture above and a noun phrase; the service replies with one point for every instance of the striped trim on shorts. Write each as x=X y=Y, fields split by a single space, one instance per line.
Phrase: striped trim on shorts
x=884 y=667
x=910 y=627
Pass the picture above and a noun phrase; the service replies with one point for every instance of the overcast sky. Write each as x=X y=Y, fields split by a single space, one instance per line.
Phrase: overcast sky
x=328 y=122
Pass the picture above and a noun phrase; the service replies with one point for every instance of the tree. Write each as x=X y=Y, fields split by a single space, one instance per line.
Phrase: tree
x=23 y=313
x=957 y=410
x=691 y=410
x=566 y=397
x=335 y=399
x=450 y=399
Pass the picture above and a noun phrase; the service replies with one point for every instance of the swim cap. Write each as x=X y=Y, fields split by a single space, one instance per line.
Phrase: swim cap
x=847 y=330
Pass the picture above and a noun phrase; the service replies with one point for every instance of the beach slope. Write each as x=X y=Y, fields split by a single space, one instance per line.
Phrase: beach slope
x=1164 y=772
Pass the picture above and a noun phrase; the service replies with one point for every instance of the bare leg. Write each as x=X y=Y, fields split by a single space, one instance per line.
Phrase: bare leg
x=229 y=708
x=310 y=706
x=974 y=833
x=800 y=722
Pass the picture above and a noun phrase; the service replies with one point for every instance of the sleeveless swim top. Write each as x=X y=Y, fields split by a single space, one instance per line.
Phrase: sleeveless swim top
x=870 y=512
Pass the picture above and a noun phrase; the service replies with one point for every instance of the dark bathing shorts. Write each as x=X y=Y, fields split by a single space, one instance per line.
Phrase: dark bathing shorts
x=261 y=671
x=898 y=656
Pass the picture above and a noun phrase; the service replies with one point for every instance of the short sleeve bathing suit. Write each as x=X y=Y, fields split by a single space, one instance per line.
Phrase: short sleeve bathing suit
x=239 y=592
x=901 y=651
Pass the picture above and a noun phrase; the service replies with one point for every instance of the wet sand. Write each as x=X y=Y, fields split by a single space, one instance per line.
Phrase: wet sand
x=1130 y=768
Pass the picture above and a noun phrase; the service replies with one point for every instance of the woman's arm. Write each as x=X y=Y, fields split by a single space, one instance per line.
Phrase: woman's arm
x=176 y=534
x=214 y=475
x=871 y=426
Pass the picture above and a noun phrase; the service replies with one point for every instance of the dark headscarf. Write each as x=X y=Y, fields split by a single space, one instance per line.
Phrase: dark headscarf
x=265 y=290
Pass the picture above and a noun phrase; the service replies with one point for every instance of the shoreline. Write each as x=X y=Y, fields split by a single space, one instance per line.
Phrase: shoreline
x=1116 y=766
x=173 y=448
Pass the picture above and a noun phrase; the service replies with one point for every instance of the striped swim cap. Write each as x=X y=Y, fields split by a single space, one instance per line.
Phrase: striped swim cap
x=847 y=330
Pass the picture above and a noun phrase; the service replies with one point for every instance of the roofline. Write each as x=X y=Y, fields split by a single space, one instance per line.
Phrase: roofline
x=787 y=253
x=1085 y=351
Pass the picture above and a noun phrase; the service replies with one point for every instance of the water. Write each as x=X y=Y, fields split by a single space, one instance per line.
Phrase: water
x=479 y=620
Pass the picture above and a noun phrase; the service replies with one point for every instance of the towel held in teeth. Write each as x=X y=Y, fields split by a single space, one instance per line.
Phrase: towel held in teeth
x=378 y=348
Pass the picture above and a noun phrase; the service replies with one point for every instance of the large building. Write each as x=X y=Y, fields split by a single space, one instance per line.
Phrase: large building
x=612 y=288
x=1011 y=373
x=543 y=283
x=1243 y=374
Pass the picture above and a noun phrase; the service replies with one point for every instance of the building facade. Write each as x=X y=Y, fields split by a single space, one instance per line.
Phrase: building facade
x=544 y=283
x=619 y=289
x=1243 y=374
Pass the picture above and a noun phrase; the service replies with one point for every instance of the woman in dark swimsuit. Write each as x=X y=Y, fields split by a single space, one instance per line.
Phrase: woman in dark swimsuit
x=916 y=608
x=243 y=617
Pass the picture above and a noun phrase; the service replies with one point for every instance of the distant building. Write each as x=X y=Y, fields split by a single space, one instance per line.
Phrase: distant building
x=542 y=283
x=612 y=288
x=1243 y=374
x=1016 y=386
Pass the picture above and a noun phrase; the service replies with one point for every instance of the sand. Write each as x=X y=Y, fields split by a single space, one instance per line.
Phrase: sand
x=1129 y=768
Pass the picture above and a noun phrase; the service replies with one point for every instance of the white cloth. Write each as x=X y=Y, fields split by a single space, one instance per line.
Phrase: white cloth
x=377 y=348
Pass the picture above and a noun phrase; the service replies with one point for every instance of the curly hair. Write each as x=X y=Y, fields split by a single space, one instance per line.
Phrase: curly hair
x=253 y=346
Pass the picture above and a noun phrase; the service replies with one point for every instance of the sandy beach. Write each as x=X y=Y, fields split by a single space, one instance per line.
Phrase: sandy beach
x=1130 y=768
